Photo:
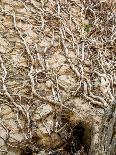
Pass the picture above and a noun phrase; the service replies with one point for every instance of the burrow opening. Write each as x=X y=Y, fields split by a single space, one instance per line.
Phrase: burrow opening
x=80 y=139
x=76 y=137
x=27 y=151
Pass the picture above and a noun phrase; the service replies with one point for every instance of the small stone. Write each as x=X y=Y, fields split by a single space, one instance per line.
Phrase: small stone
x=5 y=111
x=66 y=80
x=13 y=152
x=49 y=83
x=42 y=111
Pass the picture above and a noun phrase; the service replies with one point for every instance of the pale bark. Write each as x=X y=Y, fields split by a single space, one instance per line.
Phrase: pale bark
x=107 y=134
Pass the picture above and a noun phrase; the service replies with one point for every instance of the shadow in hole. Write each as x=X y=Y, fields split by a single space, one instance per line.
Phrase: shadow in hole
x=27 y=151
x=75 y=142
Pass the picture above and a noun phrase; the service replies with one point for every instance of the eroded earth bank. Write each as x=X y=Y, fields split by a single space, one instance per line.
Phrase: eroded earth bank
x=57 y=77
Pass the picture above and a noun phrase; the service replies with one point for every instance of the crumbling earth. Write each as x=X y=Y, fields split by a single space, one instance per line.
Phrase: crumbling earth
x=57 y=75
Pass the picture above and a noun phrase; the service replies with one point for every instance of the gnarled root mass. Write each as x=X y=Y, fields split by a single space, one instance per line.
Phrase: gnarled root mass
x=57 y=74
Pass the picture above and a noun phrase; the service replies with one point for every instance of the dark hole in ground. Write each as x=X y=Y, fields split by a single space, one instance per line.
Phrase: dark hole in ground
x=75 y=142
x=78 y=134
x=78 y=139
x=27 y=151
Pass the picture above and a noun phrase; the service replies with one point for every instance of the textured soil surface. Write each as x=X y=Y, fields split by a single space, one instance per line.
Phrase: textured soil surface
x=57 y=74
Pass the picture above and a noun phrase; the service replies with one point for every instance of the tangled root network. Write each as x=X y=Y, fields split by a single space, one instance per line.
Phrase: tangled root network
x=57 y=73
